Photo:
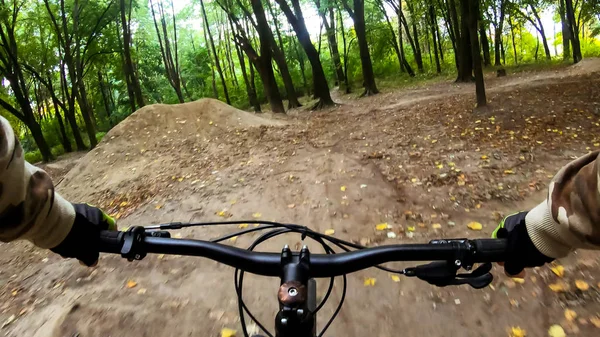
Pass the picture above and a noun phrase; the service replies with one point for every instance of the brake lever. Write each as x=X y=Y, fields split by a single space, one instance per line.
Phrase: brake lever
x=444 y=273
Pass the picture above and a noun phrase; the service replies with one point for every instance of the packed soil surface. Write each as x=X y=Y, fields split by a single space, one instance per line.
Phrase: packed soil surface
x=420 y=159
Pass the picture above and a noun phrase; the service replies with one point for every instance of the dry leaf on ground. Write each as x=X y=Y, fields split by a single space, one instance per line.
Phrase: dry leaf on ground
x=582 y=285
x=570 y=315
x=516 y=331
x=475 y=226
x=558 y=270
x=329 y=232
x=556 y=331
x=226 y=332
x=369 y=282
x=131 y=284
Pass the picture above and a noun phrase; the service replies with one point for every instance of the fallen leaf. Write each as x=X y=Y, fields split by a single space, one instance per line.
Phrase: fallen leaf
x=382 y=226
x=291 y=205
x=582 y=285
x=436 y=226
x=558 y=270
x=142 y=291
x=343 y=188
x=595 y=321
x=158 y=206
x=226 y=332
x=484 y=157
x=391 y=235
x=516 y=331
x=256 y=215
x=509 y=172
x=243 y=225
x=411 y=228
x=518 y=280
x=570 y=315
x=161 y=256
x=395 y=278
x=558 y=287
x=123 y=204
x=131 y=284
x=329 y=232
x=475 y=226
x=556 y=331
x=369 y=282
x=233 y=239
x=8 y=321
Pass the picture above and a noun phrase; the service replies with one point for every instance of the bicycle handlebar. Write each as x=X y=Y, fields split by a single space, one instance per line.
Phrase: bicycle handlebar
x=321 y=265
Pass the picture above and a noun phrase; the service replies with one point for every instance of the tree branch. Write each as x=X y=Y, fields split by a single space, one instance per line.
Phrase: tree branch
x=8 y=107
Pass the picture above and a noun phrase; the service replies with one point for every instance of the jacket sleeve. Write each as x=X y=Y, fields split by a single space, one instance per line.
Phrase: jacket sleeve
x=29 y=207
x=569 y=218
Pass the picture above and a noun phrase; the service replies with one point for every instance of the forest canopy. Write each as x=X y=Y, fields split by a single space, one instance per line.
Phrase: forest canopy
x=72 y=69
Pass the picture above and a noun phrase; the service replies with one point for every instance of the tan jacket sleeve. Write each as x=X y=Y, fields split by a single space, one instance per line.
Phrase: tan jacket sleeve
x=569 y=218
x=29 y=207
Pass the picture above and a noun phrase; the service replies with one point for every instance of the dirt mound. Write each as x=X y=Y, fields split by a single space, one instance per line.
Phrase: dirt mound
x=163 y=143
x=586 y=66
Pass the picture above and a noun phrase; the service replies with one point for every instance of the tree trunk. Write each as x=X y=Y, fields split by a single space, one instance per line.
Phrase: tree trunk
x=280 y=59
x=133 y=83
x=415 y=36
x=573 y=30
x=61 y=125
x=472 y=15
x=70 y=111
x=498 y=34
x=214 y=52
x=84 y=105
x=540 y=29
x=333 y=46
x=433 y=23
x=439 y=40
x=358 y=16
x=465 y=69
x=263 y=62
x=566 y=34
x=485 y=44
x=105 y=99
x=512 y=34
x=399 y=53
x=345 y=49
x=296 y=19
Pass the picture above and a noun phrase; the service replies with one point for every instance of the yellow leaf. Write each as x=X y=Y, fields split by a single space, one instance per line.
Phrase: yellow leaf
x=440 y=166
x=256 y=215
x=233 y=239
x=395 y=278
x=411 y=228
x=595 y=321
x=160 y=256
x=516 y=331
x=484 y=157
x=180 y=179
x=570 y=315
x=243 y=225
x=369 y=282
x=509 y=172
x=596 y=144
x=518 y=280
x=539 y=142
x=451 y=164
x=414 y=180
x=329 y=232
x=226 y=332
x=123 y=204
x=582 y=285
x=131 y=284
x=210 y=123
x=343 y=188
x=475 y=226
x=558 y=287
x=436 y=226
x=158 y=206
x=558 y=270
x=382 y=226
x=556 y=331
x=434 y=141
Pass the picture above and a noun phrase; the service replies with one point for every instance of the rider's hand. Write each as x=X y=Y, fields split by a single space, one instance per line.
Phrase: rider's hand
x=82 y=241
x=521 y=252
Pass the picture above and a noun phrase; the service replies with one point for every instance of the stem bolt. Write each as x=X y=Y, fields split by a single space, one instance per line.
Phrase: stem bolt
x=284 y=321
x=300 y=312
x=457 y=263
x=292 y=292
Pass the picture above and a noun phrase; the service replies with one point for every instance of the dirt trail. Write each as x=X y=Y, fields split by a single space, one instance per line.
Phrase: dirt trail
x=411 y=158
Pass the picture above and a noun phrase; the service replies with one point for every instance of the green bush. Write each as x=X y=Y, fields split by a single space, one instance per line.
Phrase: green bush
x=33 y=156
x=100 y=135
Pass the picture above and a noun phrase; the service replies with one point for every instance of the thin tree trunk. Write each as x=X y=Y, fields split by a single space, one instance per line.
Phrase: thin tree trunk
x=573 y=30
x=498 y=34
x=214 y=52
x=345 y=50
x=403 y=65
x=133 y=83
x=512 y=34
x=566 y=34
x=417 y=46
x=333 y=46
x=485 y=44
x=358 y=16
x=296 y=19
x=61 y=125
x=433 y=23
x=105 y=99
x=439 y=40
x=472 y=16
x=465 y=69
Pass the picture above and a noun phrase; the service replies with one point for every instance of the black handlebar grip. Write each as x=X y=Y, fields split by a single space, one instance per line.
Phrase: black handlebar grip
x=490 y=250
x=110 y=242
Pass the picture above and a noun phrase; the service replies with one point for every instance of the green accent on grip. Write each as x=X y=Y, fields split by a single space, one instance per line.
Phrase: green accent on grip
x=500 y=225
x=112 y=224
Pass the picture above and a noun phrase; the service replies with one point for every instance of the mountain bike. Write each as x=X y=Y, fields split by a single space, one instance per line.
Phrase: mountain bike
x=297 y=297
